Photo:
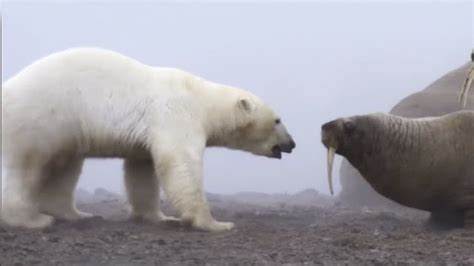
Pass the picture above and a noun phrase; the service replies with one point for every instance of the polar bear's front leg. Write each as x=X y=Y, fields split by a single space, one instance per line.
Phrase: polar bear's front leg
x=143 y=191
x=180 y=173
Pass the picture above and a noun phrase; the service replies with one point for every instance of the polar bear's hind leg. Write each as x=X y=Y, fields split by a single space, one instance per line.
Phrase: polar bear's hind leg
x=21 y=195
x=57 y=191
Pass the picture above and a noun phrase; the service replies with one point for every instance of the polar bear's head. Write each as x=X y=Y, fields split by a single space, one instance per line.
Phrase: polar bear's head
x=257 y=129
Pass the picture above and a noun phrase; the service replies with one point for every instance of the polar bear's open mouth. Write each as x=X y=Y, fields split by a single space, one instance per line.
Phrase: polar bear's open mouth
x=276 y=152
x=286 y=148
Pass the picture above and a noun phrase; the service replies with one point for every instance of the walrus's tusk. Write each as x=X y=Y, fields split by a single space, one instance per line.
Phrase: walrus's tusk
x=331 y=154
x=462 y=100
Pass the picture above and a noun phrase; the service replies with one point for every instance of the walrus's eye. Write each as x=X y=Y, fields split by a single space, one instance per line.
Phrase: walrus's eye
x=277 y=121
x=349 y=127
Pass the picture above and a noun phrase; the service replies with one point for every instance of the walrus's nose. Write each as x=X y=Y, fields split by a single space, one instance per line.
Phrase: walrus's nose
x=326 y=131
x=327 y=126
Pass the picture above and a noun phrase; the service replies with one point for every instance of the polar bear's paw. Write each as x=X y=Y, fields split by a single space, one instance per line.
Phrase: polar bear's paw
x=155 y=217
x=38 y=221
x=76 y=215
x=221 y=226
x=214 y=226
x=168 y=219
x=85 y=215
x=68 y=213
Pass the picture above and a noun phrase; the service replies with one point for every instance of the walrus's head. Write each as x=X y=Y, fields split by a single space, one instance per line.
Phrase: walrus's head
x=349 y=137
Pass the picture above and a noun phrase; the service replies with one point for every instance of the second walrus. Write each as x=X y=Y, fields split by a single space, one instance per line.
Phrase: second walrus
x=424 y=163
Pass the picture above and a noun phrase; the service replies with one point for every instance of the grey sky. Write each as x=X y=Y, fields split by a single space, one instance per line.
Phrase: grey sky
x=311 y=61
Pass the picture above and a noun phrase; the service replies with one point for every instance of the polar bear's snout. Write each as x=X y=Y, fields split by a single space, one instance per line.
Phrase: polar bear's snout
x=287 y=146
x=285 y=142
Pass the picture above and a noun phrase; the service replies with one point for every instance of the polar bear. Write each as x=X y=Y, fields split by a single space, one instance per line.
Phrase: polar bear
x=91 y=102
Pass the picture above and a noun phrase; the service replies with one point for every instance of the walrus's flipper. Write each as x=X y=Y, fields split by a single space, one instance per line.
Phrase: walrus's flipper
x=447 y=219
x=469 y=219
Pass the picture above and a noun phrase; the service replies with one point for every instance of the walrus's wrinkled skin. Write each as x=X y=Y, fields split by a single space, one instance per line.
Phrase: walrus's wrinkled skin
x=424 y=163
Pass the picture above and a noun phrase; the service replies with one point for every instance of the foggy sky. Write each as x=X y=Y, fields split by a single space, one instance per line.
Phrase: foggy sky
x=311 y=61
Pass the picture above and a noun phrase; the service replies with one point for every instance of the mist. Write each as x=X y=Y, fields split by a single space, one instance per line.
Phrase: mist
x=311 y=61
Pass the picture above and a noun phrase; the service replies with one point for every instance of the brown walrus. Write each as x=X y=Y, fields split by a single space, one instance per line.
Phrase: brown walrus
x=438 y=98
x=423 y=163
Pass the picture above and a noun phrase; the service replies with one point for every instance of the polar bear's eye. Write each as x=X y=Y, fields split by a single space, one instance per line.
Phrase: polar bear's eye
x=277 y=121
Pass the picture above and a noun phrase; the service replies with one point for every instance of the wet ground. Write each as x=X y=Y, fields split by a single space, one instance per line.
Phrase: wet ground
x=267 y=233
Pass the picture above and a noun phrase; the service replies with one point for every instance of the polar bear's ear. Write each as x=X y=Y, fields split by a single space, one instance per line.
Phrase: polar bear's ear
x=245 y=105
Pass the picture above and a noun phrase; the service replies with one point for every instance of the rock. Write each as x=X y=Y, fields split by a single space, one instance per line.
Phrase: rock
x=100 y=194
x=83 y=195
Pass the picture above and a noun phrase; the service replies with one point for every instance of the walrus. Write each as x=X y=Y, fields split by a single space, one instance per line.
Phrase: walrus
x=439 y=98
x=423 y=163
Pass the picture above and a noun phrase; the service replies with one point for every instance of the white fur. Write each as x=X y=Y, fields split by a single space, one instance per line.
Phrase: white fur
x=90 y=102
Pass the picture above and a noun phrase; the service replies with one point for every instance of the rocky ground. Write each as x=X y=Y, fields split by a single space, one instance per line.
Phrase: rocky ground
x=305 y=228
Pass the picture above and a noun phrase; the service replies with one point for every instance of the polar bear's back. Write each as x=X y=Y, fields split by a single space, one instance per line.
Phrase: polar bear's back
x=72 y=65
x=76 y=95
